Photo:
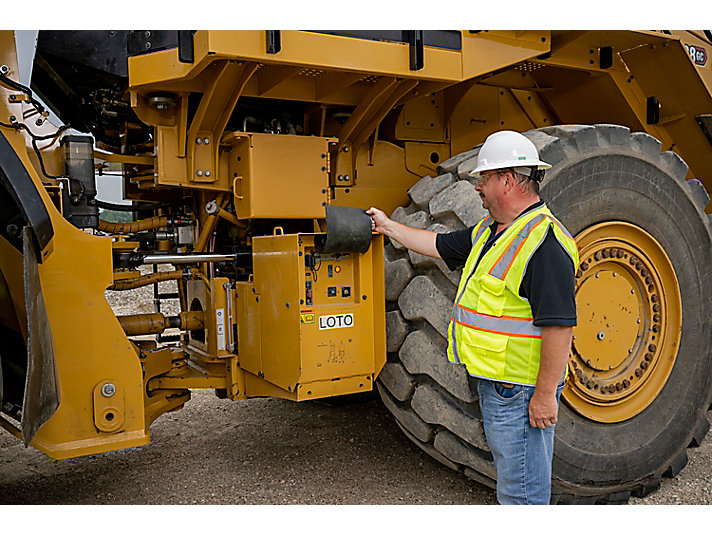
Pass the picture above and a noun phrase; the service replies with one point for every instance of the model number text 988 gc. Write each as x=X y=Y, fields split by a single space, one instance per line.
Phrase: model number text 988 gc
x=697 y=54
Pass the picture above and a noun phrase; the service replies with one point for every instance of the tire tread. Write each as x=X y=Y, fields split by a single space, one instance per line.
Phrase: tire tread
x=406 y=417
x=444 y=400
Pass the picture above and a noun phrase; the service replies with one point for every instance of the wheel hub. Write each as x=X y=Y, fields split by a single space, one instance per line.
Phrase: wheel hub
x=629 y=323
x=606 y=331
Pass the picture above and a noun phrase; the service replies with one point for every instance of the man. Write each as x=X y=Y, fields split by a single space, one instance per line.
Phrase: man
x=514 y=310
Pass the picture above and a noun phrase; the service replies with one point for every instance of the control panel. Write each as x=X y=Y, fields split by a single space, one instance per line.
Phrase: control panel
x=312 y=323
x=329 y=278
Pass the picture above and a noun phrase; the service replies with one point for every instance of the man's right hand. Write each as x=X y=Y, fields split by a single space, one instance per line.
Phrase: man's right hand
x=379 y=220
x=422 y=241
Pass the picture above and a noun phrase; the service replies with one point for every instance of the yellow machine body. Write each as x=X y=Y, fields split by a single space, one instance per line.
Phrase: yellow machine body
x=372 y=125
x=299 y=173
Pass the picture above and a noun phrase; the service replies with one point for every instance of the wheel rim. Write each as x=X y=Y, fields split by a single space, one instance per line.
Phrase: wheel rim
x=629 y=323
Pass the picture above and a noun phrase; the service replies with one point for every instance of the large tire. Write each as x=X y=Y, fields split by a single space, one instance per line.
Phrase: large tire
x=603 y=178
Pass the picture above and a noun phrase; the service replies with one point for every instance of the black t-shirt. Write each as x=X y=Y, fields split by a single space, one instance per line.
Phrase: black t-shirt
x=548 y=282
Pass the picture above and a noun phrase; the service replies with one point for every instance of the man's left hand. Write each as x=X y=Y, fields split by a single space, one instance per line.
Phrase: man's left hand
x=543 y=409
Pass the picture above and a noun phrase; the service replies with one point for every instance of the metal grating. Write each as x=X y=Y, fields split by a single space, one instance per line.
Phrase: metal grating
x=370 y=79
x=528 y=66
x=311 y=73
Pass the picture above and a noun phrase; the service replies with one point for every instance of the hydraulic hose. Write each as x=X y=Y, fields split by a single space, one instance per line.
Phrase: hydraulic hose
x=156 y=323
x=198 y=274
x=209 y=225
x=148 y=279
x=213 y=209
x=133 y=227
x=154 y=278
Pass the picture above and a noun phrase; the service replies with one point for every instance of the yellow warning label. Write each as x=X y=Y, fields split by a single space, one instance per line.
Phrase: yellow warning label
x=307 y=318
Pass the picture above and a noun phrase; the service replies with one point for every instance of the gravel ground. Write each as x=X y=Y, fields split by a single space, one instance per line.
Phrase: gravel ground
x=260 y=451
x=271 y=451
x=694 y=483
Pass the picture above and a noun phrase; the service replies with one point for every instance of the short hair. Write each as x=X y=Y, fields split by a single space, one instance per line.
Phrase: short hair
x=527 y=184
x=524 y=182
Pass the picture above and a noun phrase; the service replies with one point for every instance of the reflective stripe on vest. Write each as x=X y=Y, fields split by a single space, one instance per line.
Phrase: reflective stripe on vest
x=484 y=225
x=510 y=326
x=501 y=267
x=478 y=232
x=491 y=330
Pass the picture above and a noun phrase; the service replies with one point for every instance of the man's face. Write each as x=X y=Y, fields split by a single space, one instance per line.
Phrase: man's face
x=490 y=186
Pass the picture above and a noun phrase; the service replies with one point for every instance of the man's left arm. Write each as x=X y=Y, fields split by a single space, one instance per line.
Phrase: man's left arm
x=549 y=285
x=555 y=347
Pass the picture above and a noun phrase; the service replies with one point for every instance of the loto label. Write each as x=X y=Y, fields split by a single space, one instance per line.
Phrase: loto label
x=341 y=320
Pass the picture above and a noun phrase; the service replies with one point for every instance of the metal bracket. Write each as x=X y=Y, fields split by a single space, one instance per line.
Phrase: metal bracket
x=705 y=124
x=186 y=52
x=652 y=113
x=16 y=98
x=109 y=406
x=605 y=57
x=274 y=41
x=415 y=43
x=211 y=117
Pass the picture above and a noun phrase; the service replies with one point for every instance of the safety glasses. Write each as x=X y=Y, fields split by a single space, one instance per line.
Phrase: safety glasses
x=483 y=178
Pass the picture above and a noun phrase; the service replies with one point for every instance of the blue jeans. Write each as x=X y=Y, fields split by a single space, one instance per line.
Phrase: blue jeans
x=522 y=453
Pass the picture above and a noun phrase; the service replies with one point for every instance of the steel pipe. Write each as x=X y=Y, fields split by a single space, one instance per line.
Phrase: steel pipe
x=157 y=259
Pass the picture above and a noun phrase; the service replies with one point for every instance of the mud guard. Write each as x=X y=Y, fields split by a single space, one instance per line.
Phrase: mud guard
x=41 y=395
x=41 y=398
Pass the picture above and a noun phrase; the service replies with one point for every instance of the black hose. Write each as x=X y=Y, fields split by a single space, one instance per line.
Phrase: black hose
x=21 y=125
x=19 y=87
x=118 y=207
x=34 y=139
x=137 y=207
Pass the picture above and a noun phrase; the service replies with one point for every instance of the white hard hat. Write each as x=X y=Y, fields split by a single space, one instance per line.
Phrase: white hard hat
x=507 y=149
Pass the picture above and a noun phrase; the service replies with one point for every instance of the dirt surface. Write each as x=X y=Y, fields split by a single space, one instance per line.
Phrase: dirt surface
x=270 y=451
x=694 y=483
x=260 y=451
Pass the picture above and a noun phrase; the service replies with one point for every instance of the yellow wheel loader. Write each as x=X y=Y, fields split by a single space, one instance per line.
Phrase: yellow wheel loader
x=249 y=158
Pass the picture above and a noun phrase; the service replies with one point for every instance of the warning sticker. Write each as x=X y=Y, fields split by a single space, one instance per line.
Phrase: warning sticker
x=307 y=318
x=342 y=320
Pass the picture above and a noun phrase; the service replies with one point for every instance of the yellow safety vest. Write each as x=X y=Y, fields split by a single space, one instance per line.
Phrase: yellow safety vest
x=491 y=330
